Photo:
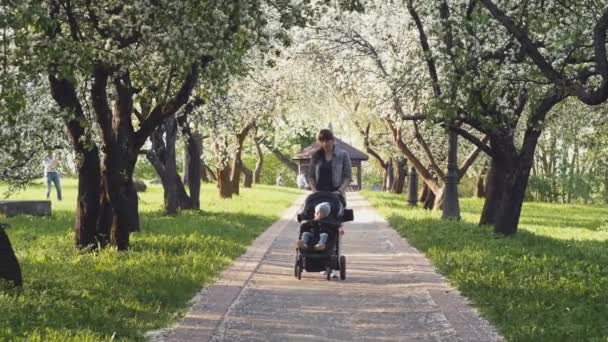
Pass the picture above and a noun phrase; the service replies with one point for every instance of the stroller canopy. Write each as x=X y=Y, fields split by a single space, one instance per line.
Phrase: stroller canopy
x=315 y=198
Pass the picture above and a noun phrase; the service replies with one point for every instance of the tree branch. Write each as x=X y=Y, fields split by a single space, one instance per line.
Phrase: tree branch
x=413 y=117
x=550 y=99
x=426 y=48
x=422 y=171
x=596 y=97
x=470 y=137
x=545 y=67
x=427 y=151
x=166 y=109
x=100 y=103
x=123 y=106
x=368 y=149
x=471 y=158
x=599 y=44
x=280 y=156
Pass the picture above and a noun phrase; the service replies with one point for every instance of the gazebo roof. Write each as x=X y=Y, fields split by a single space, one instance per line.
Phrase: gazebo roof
x=307 y=152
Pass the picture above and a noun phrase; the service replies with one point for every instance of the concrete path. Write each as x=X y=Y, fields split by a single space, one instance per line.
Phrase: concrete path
x=391 y=293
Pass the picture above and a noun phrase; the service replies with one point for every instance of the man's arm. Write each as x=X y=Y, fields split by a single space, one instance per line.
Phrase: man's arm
x=310 y=176
x=347 y=172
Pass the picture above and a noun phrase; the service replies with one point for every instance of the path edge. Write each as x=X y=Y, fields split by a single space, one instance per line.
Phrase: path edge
x=209 y=306
x=464 y=317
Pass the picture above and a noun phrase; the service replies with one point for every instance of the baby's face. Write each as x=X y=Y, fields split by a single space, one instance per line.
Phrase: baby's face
x=318 y=215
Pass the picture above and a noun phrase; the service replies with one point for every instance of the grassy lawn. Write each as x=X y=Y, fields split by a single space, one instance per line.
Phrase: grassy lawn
x=547 y=283
x=72 y=296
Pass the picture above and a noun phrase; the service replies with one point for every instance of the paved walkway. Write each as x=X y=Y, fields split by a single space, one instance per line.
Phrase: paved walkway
x=391 y=293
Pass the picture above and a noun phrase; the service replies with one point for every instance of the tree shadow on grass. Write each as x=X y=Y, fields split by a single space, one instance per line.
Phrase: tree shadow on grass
x=534 y=288
x=127 y=293
x=560 y=221
x=237 y=227
x=125 y=301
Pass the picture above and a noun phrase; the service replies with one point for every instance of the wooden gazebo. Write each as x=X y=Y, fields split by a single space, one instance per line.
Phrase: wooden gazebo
x=356 y=157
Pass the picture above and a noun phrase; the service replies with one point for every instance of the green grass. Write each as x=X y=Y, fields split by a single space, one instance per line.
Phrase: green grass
x=73 y=296
x=549 y=282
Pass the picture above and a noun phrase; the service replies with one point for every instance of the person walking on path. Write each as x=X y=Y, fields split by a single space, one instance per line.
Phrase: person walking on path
x=330 y=168
x=52 y=176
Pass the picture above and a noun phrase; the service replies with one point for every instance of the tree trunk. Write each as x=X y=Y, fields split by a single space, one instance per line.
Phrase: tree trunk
x=449 y=193
x=429 y=200
x=248 y=176
x=88 y=200
x=401 y=176
x=171 y=183
x=118 y=190
x=390 y=175
x=259 y=163
x=515 y=166
x=235 y=177
x=509 y=211
x=9 y=265
x=162 y=157
x=572 y=175
x=88 y=164
x=224 y=183
x=204 y=176
x=116 y=212
x=495 y=181
x=206 y=173
x=186 y=176
x=507 y=182
x=237 y=162
x=553 y=168
x=385 y=171
x=194 y=168
x=480 y=187
x=439 y=202
x=104 y=219
x=424 y=194
x=193 y=152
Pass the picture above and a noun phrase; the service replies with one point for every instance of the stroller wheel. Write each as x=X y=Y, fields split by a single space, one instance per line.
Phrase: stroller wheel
x=328 y=272
x=342 y=267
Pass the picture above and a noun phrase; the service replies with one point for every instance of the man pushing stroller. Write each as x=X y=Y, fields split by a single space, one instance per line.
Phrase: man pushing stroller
x=330 y=171
x=329 y=174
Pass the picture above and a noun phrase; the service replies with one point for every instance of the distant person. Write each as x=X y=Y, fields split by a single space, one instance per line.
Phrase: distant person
x=279 y=180
x=301 y=180
x=51 y=164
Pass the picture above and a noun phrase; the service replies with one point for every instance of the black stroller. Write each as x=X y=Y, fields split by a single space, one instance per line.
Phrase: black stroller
x=329 y=259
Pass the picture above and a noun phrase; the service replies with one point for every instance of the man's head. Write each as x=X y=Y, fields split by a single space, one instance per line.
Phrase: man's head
x=326 y=139
x=322 y=210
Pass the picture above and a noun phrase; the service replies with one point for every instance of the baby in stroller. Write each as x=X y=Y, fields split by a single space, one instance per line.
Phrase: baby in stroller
x=318 y=246
x=321 y=222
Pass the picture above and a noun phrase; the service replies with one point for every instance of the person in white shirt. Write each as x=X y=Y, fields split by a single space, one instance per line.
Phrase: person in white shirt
x=301 y=180
x=51 y=164
x=279 y=181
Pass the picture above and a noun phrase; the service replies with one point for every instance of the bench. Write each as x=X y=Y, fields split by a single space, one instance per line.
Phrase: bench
x=36 y=208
